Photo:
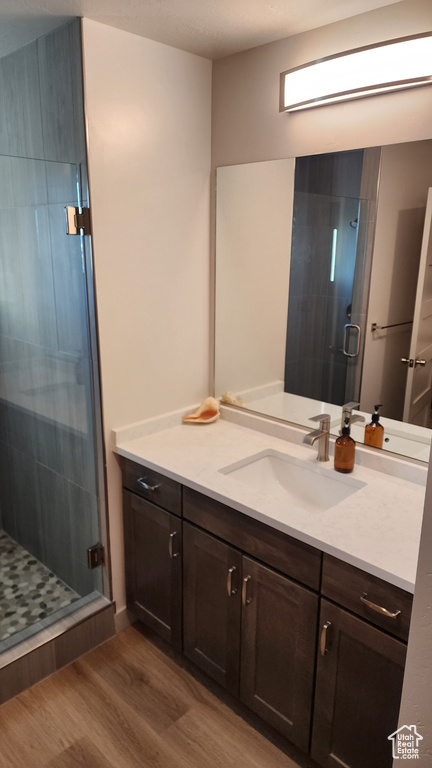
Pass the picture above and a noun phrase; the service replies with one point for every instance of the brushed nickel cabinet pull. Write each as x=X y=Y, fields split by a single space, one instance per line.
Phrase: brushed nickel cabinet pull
x=230 y=589
x=245 y=599
x=323 y=638
x=147 y=487
x=379 y=608
x=172 y=554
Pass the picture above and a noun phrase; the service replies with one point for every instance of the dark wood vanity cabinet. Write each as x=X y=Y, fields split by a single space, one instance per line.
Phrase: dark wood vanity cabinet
x=360 y=667
x=211 y=600
x=358 y=688
x=249 y=625
x=153 y=552
x=278 y=640
x=251 y=629
x=314 y=646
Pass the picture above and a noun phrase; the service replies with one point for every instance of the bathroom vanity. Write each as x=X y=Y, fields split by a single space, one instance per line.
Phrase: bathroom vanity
x=287 y=622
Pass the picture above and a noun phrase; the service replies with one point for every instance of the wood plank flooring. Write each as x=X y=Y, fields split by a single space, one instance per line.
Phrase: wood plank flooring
x=128 y=704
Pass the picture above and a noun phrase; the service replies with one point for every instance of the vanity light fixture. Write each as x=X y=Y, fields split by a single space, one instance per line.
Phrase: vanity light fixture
x=381 y=68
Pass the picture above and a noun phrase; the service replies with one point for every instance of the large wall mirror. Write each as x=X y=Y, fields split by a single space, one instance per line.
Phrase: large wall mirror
x=324 y=289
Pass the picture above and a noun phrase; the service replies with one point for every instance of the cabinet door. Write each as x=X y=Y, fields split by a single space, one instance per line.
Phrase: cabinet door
x=279 y=622
x=211 y=595
x=154 y=567
x=358 y=689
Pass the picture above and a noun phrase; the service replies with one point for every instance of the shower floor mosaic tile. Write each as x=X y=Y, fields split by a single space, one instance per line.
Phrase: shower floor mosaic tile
x=29 y=591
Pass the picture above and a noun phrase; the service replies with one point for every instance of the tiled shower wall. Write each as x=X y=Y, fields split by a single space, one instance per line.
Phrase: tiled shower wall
x=48 y=494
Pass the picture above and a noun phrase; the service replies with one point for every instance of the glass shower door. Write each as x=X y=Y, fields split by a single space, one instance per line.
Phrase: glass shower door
x=326 y=298
x=49 y=513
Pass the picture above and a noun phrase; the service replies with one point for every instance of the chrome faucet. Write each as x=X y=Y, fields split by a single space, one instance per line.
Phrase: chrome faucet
x=347 y=413
x=322 y=435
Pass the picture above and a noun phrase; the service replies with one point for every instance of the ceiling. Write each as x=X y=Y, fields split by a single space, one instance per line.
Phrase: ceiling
x=209 y=28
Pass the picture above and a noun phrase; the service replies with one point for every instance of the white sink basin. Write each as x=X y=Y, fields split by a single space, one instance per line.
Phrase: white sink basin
x=287 y=480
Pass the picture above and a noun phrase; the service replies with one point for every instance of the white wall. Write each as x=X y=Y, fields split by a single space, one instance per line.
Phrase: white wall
x=253 y=233
x=148 y=109
x=247 y=125
x=406 y=175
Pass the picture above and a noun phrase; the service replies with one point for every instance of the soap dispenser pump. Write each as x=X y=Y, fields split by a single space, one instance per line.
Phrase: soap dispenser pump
x=344 y=453
x=374 y=431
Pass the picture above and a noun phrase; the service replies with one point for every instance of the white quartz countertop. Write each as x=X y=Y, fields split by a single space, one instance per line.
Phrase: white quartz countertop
x=376 y=529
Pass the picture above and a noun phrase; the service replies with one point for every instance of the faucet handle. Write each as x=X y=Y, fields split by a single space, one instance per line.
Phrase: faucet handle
x=350 y=406
x=323 y=418
x=347 y=410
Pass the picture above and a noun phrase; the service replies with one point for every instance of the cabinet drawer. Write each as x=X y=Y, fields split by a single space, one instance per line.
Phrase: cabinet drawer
x=291 y=557
x=152 y=486
x=351 y=587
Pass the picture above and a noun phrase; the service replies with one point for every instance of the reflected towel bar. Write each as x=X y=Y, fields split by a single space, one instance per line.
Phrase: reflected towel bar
x=376 y=327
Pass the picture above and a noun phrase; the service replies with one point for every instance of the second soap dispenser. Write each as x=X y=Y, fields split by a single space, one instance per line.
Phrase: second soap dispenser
x=374 y=431
x=344 y=452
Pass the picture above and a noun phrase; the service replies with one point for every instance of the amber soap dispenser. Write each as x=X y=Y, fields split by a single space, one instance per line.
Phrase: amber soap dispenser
x=374 y=431
x=344 y=452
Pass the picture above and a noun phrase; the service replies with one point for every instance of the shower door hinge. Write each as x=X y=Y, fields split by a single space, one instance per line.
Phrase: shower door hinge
x=77 y=220
x=96 y=556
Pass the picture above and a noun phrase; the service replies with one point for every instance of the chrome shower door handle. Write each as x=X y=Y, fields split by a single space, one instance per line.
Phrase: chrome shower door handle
x=346 y=339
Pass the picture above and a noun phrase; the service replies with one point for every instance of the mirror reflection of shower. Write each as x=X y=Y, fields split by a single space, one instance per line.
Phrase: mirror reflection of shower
x=324 y=334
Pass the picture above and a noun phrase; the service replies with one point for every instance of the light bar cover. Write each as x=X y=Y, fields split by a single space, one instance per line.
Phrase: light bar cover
x=390 y=66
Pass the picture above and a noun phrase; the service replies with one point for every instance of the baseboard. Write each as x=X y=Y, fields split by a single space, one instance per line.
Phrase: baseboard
x=123 y=619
